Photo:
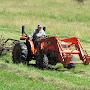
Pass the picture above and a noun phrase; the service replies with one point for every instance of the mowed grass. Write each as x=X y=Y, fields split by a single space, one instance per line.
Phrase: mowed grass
x=20 y=77
x=63 y=18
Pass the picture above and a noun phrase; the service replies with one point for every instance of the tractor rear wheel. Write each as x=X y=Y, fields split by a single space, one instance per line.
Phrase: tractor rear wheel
x=42 y=61
x=19 y=53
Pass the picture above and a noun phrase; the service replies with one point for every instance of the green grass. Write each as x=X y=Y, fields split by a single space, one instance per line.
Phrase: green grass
x=20 y=77
x=63 y=18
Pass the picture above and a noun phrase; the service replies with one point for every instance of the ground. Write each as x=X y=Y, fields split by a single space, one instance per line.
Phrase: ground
x=63 y=18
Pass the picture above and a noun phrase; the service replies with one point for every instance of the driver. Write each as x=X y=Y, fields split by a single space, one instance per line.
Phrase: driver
x=38 y=33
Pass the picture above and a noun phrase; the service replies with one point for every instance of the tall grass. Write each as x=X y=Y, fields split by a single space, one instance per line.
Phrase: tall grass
x=64 y=18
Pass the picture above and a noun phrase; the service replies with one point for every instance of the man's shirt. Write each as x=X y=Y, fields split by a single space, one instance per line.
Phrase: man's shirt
x=37 y=34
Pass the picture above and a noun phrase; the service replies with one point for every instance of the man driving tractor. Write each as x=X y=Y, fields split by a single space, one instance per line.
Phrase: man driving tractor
x=37 y=34
x=48 y=50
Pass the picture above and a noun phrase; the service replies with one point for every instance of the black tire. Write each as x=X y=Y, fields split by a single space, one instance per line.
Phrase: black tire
x=42 y=61
x=19 y=53
x=52 y=58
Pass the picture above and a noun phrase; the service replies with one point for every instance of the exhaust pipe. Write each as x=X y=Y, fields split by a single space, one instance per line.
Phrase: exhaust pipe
x=23 y=29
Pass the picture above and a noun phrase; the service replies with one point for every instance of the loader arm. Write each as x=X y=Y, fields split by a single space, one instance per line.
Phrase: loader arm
x=82 y=54
x=53 y=44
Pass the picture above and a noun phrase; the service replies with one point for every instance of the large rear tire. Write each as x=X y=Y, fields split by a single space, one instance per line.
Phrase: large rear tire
x=19 y=53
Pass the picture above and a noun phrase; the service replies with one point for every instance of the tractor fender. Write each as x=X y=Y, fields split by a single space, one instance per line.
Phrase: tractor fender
x=31 y=44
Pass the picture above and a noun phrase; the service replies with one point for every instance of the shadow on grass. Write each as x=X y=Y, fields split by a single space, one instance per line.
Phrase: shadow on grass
x=49 y=68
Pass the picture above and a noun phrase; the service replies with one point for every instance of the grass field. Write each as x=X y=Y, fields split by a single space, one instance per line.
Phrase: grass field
x=63 y=18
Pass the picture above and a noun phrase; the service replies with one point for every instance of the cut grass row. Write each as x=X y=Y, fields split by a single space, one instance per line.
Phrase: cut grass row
x=25 y=78
x=15 y=77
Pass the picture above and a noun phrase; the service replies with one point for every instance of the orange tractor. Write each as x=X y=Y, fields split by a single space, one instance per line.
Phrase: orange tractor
x=50 y=50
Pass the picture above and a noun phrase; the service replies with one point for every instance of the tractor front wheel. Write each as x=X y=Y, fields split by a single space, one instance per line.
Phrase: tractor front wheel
x=42 y=61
